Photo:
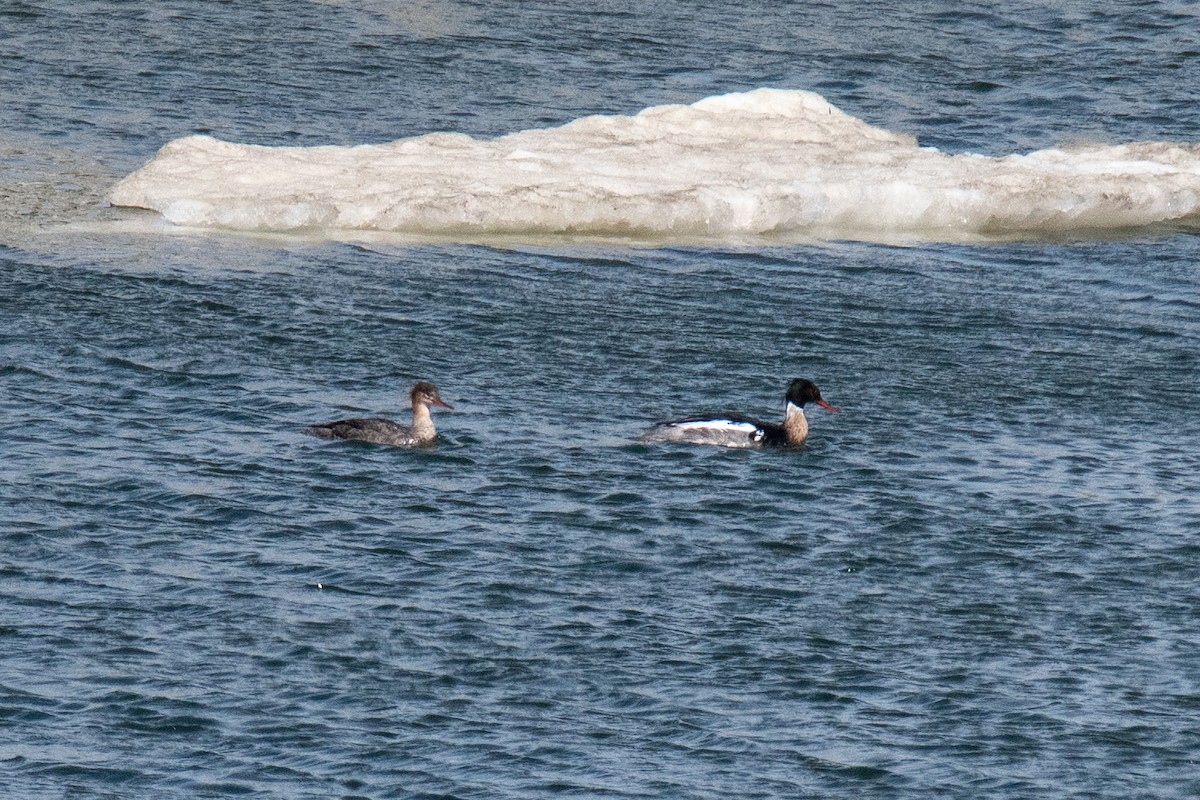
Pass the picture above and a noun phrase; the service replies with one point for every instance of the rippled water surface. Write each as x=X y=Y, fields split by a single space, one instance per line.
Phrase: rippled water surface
x=978 y=580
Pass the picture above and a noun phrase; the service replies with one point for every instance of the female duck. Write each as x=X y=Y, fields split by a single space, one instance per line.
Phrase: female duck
x=384 y=431
x=738 y=431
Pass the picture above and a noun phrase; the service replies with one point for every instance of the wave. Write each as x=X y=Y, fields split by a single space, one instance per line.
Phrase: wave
x=768 y=163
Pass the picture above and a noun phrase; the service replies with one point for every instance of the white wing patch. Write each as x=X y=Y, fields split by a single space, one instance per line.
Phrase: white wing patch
x=723 y=432
x=724 y=425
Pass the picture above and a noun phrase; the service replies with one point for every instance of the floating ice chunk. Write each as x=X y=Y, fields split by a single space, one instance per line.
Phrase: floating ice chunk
x=762 y=163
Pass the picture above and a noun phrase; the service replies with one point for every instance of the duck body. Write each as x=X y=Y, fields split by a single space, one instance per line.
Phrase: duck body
x=725 y=431
x=385 y=431
x=374 y=429
x=738 y=431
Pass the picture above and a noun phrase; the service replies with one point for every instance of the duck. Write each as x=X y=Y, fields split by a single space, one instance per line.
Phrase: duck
x=384 y=431
x=739 y=431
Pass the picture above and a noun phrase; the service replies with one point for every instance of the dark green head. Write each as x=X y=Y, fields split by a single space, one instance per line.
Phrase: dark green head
x=802 y=391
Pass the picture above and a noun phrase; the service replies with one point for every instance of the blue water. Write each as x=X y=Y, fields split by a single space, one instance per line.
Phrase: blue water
x=978 y=580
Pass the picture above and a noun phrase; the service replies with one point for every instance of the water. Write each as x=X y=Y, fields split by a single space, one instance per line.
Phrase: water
x=979 y=579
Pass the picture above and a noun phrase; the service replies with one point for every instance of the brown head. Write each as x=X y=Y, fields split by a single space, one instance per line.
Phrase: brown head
x=425 y=393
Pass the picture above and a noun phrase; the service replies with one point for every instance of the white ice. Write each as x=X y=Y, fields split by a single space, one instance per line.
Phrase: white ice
x=766 y=163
